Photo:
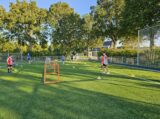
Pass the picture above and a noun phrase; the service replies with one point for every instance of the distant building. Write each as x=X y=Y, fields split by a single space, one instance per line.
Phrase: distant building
x=107 y=44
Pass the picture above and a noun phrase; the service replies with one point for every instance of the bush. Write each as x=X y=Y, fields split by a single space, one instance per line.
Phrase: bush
x=119 y=52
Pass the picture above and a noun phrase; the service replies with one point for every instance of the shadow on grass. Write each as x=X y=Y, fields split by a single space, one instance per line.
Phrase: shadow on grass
x=92 y=76
x=63 y=101
x=152 y=85
x=66 y=102
x=68 y=72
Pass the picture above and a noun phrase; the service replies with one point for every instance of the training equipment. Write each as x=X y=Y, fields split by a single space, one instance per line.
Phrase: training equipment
x=132 y=75
x=99 y=78
x=51 y=68
x=108 y=72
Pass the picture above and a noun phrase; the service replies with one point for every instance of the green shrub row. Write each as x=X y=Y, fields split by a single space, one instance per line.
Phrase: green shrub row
x=119 y=52
x=42 y=53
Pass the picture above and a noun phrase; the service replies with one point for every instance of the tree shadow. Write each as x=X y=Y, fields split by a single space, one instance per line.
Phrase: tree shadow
x=68 y=72
x=151 y=85
x=63 y=101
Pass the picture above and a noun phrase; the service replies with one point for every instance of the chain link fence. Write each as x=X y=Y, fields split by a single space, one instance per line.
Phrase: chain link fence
x=149 y=47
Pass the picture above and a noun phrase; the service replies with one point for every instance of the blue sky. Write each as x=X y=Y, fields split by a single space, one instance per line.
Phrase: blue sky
x=81 y=6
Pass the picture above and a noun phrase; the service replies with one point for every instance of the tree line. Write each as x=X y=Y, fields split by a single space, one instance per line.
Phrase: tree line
x=26 y=27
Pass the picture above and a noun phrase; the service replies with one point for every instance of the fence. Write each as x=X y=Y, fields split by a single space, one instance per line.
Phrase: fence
x=149 y=46
x=17 y=58
x=132 y=61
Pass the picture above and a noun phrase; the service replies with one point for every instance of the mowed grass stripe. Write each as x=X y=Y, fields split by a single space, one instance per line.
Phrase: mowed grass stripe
x=79 y=95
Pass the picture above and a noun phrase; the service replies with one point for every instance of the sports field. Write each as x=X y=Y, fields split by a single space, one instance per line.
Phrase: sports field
x=123 y=94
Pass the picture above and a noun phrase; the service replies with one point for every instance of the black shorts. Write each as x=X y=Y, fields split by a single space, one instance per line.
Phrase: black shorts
x=9 y=65
x=104 y=65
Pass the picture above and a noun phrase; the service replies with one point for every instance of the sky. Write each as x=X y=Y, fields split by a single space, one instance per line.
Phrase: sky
x=80 y=6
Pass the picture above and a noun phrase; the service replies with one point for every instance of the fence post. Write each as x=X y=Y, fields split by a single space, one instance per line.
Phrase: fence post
x=138 y=48
x=58 y=67
x=44 y=73
x=122 y=59
x=111 y=60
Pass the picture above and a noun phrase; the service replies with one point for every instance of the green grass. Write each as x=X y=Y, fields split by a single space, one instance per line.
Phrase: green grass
x=80 y=95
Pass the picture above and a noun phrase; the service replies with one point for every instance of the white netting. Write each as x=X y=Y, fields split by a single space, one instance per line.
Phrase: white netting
x=149 y=46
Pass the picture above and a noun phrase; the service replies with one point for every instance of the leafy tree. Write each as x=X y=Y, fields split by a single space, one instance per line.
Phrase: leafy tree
x=58 y=11
x=67 y=35
x=88 y=37
x=8 y=46
x=138 y=14
x=43 y=36
x=107 y=15
x=2 y=16
x=37 y=48
x=24 y=20
x=87 y=30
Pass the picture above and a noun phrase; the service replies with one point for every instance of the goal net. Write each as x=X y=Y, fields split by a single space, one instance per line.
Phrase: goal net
x=149 y=47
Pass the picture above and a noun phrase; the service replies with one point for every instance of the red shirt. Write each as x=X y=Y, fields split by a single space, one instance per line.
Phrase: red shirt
x=104 y=59
x=9 y=61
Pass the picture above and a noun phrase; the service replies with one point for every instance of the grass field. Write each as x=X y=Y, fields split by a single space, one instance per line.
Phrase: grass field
x=124 y=94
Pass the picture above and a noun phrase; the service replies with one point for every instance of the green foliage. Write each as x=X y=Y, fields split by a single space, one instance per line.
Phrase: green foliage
x=8 y=46
x=58 y=11
x=27 y=24
x=67 y=35
x=138 y=14
x=88 y=36
x=24 y=20
x=2 y=16
x=119 y=52
x=107 y=15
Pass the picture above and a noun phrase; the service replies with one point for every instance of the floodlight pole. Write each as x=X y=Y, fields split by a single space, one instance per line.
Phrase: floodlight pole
x=138 y=48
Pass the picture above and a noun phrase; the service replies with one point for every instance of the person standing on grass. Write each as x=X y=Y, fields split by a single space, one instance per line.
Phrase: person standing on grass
x=63 y=59
x=104 y=63
x=29 y=58
x=9 y=63
x=71 y=57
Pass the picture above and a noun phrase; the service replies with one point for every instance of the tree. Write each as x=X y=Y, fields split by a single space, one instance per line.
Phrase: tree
x=88 y=37
x=87 y=30
x=2 y=17
x=107 y=15
x=8 y=46
x=37 y=48
x=67 y=35
x=24 y=20
x=138 y=14
x=58 y=11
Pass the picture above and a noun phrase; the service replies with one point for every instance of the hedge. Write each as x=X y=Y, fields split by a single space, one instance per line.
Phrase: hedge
x=119 y=52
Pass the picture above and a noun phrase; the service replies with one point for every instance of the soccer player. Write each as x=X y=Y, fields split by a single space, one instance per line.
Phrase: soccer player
x=9 y=63
x=104 y=63
x=63 y=59
x=28 y=58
